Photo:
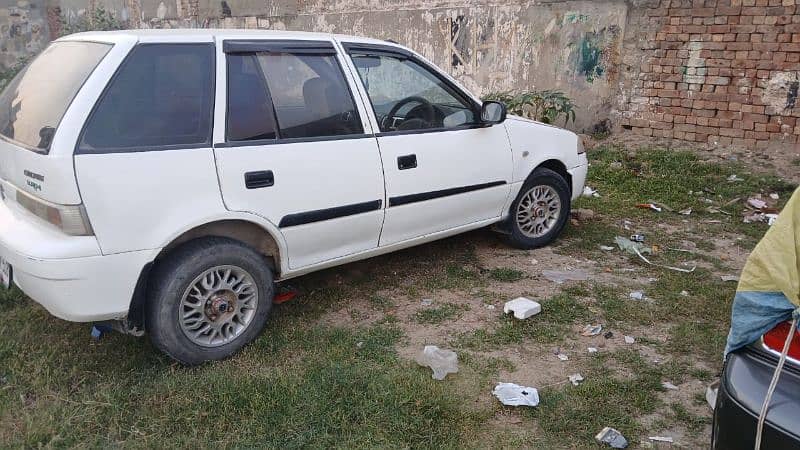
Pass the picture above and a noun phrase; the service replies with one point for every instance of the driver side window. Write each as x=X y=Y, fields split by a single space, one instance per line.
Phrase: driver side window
x=406 y=96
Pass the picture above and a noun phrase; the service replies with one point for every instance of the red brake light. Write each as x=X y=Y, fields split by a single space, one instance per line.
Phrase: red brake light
x=775 y=338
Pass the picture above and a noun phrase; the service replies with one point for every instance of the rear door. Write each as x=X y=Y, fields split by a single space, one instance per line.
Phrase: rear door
x=443 y=168
x=295 y=149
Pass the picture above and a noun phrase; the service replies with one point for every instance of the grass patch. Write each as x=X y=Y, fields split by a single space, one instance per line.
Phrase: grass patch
x=506 y=274
x=572 y=415
x=296 y=386
x=551 y=325
x=678 y=179
x=706 y=339
x=692 y=421
x=439 y=314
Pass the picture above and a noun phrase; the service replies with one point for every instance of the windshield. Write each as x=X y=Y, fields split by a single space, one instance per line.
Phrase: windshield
x=34 y=102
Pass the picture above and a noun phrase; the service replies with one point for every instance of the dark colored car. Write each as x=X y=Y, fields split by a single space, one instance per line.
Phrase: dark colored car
x=745 y=380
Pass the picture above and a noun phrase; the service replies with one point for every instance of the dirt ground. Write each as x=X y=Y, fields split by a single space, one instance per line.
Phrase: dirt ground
x=683 y=413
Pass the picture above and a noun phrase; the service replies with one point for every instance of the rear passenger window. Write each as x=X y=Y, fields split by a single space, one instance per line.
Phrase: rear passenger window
x=250 y=113
x=162 y=96
x=302 y=95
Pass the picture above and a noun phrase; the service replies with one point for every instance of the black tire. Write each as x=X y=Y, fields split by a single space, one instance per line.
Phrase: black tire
x=540 y=177
x=172 y=277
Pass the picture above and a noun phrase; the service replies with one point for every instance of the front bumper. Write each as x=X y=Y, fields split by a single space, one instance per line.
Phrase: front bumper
x=744 y=384
x=67 y=275
x=578 y=174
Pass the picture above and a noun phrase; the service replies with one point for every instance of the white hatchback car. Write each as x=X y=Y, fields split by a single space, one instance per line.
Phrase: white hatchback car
x=166 y=179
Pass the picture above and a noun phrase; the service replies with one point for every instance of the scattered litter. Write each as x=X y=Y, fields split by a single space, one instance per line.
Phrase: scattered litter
x=637 y=248
x=582 y=214
x=630 y=340
x=522 y=308
x=426 y=302
x=756 y=203
x=734 y=178
x=606 y=248
x=359 y=344
x=575 y=379
x=727 y=278
x=774 y=196
x=591 y=330
x=637 y=238
x=684 y=293
x=715 y=210
x=626 y=224
x=686 y=212
x=562 y=357
x=608 y=335
x=285 y=296
x=661 y=205
x=760 y=216
x=612 y=437
x=490 y=307
x=591 y=349
x=511 y=394
x=441 y=361
x=632 y=246
x=661 y=439
x=669 y=386
x=615 y=165
x=534 y=261
x=731 y=202
x=652 y=206
x=96 y=333
x=637 y=295
x=560 y=276
x=711 y=394
x=589 y=192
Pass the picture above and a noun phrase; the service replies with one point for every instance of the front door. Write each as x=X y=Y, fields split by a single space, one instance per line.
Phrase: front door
x=443 y=168
x=296 y=151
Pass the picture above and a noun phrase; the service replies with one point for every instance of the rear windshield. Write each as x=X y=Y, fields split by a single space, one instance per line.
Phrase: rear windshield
x=32 y=105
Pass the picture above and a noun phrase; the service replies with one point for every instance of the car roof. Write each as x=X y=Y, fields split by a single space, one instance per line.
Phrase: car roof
x=210 y=34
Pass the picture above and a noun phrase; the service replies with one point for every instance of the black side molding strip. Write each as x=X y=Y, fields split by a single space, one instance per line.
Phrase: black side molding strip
x=330 y=213
x=423 y=196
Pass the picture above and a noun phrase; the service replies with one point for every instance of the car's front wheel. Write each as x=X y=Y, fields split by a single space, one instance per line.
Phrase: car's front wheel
x=540 y=211
x=208 y=299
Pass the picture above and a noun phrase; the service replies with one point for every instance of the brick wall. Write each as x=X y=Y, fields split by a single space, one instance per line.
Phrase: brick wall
x=721 y=72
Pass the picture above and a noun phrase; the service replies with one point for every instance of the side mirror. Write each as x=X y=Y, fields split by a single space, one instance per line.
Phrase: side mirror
x=493 y=112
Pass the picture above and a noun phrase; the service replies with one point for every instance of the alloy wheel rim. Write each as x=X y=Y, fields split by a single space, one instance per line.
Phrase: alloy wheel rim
x=218 y=306
x=538 y=211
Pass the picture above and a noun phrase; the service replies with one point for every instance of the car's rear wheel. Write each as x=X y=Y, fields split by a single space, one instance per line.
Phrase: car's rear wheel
x=208 y=299
x=540 y=211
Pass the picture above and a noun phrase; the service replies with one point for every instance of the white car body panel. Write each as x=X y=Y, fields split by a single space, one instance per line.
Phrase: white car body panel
x=445 y=160
x=309 y=176
x=139 y=203
x=135 y=200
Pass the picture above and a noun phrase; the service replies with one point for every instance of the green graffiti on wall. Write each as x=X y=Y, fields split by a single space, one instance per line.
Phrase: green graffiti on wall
x=590 y=63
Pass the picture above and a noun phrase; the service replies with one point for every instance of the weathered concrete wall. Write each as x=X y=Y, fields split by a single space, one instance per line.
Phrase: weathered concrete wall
x=716 y=71
x=23 y=30
x=490 y=46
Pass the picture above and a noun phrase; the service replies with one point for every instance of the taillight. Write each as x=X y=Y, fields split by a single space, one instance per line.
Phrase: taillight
x=71 y=219
x=775 y=338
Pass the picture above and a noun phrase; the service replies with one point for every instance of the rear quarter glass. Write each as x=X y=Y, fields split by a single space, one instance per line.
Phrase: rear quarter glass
x=34 y=102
